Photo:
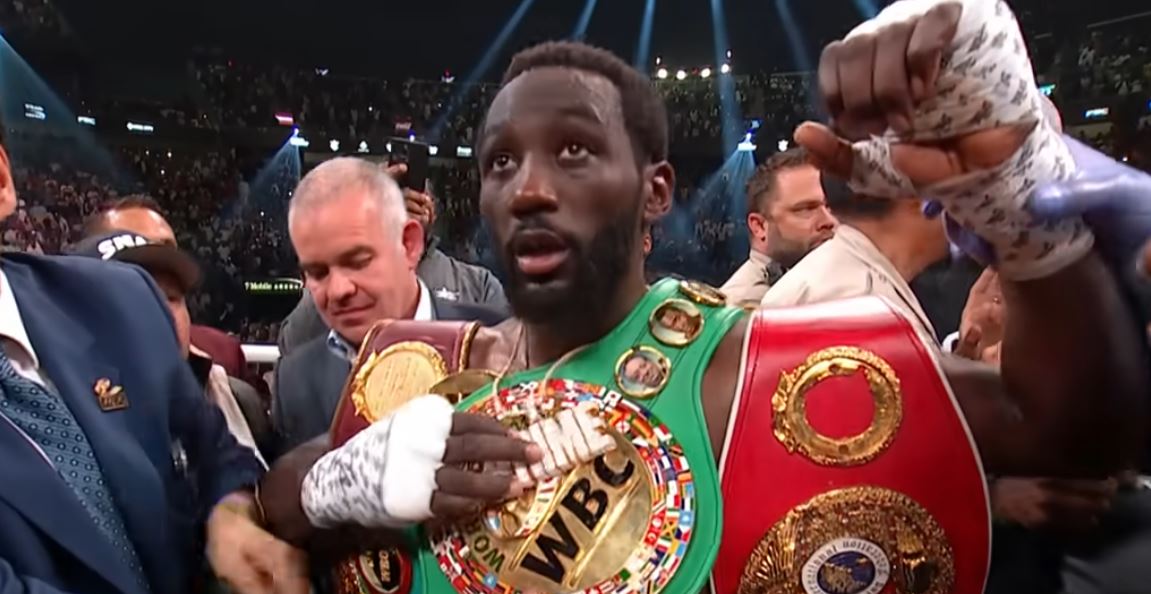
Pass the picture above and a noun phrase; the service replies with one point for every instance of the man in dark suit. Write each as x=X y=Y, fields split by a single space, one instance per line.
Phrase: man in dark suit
x=359 y=252
x=112 y=458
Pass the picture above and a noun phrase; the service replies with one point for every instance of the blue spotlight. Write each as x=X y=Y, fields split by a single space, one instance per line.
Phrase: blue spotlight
x=580 y=31
x=747 y=146
x=643 y=46
x=480 y=68
x=728 y=109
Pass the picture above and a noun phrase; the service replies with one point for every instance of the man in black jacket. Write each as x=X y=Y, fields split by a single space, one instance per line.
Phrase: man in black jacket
x=358 y=251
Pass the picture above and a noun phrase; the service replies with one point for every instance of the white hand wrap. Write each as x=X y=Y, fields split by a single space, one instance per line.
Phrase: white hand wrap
x=985 y=81
x=384 y=476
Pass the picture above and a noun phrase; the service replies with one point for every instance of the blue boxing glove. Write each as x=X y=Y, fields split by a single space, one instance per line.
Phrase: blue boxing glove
x=1114 y=200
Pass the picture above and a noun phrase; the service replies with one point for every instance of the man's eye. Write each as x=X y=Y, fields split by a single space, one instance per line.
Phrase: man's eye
x=501 y=161
x=574 y=150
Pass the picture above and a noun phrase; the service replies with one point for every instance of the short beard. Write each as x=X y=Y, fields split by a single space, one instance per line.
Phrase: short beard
x=600 y=268
x=785 y=251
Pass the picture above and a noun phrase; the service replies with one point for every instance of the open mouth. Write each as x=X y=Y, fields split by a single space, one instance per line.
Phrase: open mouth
x=539 y=253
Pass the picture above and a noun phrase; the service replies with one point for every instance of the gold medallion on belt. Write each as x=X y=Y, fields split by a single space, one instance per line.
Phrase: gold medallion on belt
x=855 y=540
x=390 y=378
x=620 y=522
x=793 y=429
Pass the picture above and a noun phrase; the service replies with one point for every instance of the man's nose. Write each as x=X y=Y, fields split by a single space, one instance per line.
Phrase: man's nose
x=340 y=286
x=826 y=221
x=536 y=190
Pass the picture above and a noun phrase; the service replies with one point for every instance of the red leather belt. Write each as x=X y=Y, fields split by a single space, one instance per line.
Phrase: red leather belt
x=849 y=467
x=398 y=360
x=438 y=348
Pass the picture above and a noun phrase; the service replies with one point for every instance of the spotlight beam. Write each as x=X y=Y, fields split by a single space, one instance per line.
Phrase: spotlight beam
x=728 y=110
x=580 y=31
x=643 y=46
x=481 y=67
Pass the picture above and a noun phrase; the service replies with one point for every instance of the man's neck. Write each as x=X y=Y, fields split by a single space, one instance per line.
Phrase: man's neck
x=551 y=340
x=908 y=259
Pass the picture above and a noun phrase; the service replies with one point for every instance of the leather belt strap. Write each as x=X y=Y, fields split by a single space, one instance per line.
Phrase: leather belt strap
x=848 y=467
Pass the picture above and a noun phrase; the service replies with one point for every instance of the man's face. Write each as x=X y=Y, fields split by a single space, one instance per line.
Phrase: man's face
x=797 y=219
x=141 y=221
x=563 y=193
x=358 y=268
x=174 y=295
x=643 y=372
x=7 y=186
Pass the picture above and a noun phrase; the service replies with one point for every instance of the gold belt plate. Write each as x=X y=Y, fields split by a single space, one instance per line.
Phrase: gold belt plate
x=390 y=378
x=855 y=540
x=620 y=522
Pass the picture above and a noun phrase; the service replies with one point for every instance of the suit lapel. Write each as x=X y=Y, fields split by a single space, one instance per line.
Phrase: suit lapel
x=70 y=360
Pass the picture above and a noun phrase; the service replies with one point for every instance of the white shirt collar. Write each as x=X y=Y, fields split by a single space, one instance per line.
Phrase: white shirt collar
x=11 y=324
x=425 y=312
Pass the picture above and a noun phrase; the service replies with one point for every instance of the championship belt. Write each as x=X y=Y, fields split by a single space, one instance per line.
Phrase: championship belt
x=639 y=513
x=849 y=468
x=399 y=360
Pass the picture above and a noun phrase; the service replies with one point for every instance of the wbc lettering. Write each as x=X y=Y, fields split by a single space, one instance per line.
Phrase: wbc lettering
x=585 y=503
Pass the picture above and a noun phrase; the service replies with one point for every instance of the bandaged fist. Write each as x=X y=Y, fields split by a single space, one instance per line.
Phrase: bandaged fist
x=885 y=75
x=410 y=467
x=248 y=559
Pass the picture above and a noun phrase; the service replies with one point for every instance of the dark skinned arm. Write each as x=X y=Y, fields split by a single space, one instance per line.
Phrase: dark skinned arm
x=1070 y=399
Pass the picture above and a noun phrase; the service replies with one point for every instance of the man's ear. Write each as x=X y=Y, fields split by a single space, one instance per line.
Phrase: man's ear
x=412 y=236
x=660 y=181
x=757 y=226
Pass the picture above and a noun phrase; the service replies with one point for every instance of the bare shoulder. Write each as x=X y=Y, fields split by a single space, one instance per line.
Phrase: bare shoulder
x=492 y=347
x=720 y=382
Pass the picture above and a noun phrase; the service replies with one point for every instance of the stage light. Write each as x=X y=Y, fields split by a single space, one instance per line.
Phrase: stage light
x=388 y=146
x=706 y=72
x=433 y=150
x=725 y=69
x=1047 y=89
x=334 y=145
x=298 y=141
x=363 y=148
x=86 y=120
x=728 y=54
x=284 y=119
x=782 y=145
x=658 y=60
x=661 y=73
x=412 y=136
x=680 y=75
x=1098 y=112
x=747 y=146
x=463 y=151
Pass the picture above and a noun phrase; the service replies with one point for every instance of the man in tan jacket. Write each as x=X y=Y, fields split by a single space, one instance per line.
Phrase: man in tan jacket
x=878 y=248
x=787 y=217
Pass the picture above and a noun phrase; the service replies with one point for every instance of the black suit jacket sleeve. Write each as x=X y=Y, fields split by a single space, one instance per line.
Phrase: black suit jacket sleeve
x=221 y=465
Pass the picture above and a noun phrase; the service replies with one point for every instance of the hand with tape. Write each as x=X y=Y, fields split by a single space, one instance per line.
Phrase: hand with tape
x=936 y=98
x=415 y=465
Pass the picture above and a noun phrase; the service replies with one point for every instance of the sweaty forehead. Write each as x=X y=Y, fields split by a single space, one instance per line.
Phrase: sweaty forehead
x=557 y=91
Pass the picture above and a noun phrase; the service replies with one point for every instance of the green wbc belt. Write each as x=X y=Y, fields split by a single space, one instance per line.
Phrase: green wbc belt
x=627 y=497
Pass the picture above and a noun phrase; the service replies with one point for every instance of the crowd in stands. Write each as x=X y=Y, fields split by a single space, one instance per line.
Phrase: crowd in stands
x=236 y=225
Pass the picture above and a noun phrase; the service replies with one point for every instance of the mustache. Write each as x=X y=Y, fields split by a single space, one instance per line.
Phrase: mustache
x=538 y=223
